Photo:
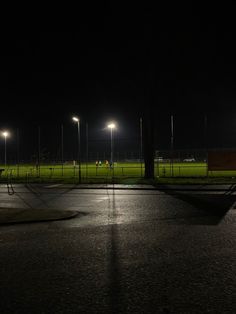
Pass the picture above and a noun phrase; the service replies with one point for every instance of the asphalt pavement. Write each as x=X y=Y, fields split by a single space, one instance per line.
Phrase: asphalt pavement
x=126 y=251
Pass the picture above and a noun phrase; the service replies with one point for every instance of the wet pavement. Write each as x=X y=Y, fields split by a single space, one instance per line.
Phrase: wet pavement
x=128 y=251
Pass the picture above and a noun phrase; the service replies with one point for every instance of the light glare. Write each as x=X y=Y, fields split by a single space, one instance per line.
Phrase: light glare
x=75 y=119
x=111 y=126
x=5 y=133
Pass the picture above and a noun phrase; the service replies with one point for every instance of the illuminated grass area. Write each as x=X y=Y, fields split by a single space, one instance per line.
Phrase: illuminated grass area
x=121 y=172
x=68 y=171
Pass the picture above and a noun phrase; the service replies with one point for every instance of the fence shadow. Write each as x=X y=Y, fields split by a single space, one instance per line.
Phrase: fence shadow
x=208 y=209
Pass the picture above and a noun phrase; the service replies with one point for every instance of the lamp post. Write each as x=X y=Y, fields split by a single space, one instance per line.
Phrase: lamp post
x=76 y=119
x=172 y=143
x=111 y=126
x=141 y=144
x=5 y=134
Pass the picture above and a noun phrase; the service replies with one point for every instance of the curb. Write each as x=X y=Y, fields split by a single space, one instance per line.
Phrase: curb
x=154 y=188
x=73 y=215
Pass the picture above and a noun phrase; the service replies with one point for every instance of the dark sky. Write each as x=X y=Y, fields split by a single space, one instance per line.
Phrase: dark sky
x=184 y=58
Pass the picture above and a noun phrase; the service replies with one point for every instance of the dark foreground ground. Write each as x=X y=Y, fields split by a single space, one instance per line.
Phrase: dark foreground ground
x=127 y=251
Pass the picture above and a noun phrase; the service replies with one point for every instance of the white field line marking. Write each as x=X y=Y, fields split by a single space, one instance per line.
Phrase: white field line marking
x=52 y=186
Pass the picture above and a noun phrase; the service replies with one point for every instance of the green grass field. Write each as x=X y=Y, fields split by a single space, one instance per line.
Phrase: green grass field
x=164 y=172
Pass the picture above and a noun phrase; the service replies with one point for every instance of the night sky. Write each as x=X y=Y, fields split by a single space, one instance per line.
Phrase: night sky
x=116 y=63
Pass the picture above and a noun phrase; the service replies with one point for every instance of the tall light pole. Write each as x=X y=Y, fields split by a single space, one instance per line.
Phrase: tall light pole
x=62 y=149
x=141 y=144
x=172 y=142
x=206 y=142
x=76 y=119
x=87 y=150
x=18 y=151
x=5 y=134
x=39 y=151
x=111 y=126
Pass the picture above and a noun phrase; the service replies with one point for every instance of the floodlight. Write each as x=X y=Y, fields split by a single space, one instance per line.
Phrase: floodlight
x=5 y=134
x=111 y=126
x=75 y=119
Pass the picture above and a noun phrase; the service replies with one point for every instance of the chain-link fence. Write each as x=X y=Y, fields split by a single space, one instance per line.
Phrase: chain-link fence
x=119 y=170
x=41 y=155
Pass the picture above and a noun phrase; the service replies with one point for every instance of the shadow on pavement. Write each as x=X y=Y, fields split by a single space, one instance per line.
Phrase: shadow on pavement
x=117 y=298
x=231 y=189
x=208 y=209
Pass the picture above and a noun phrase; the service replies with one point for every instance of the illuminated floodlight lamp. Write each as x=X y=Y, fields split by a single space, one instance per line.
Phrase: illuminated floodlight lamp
x=5 y=134
x=111 y=125
x=76 y=119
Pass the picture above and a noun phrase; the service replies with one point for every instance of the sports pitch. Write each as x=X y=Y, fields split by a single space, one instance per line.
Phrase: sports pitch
x=120 y=170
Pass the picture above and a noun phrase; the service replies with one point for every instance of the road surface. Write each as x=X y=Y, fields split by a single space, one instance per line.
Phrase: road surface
x=128 y=251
